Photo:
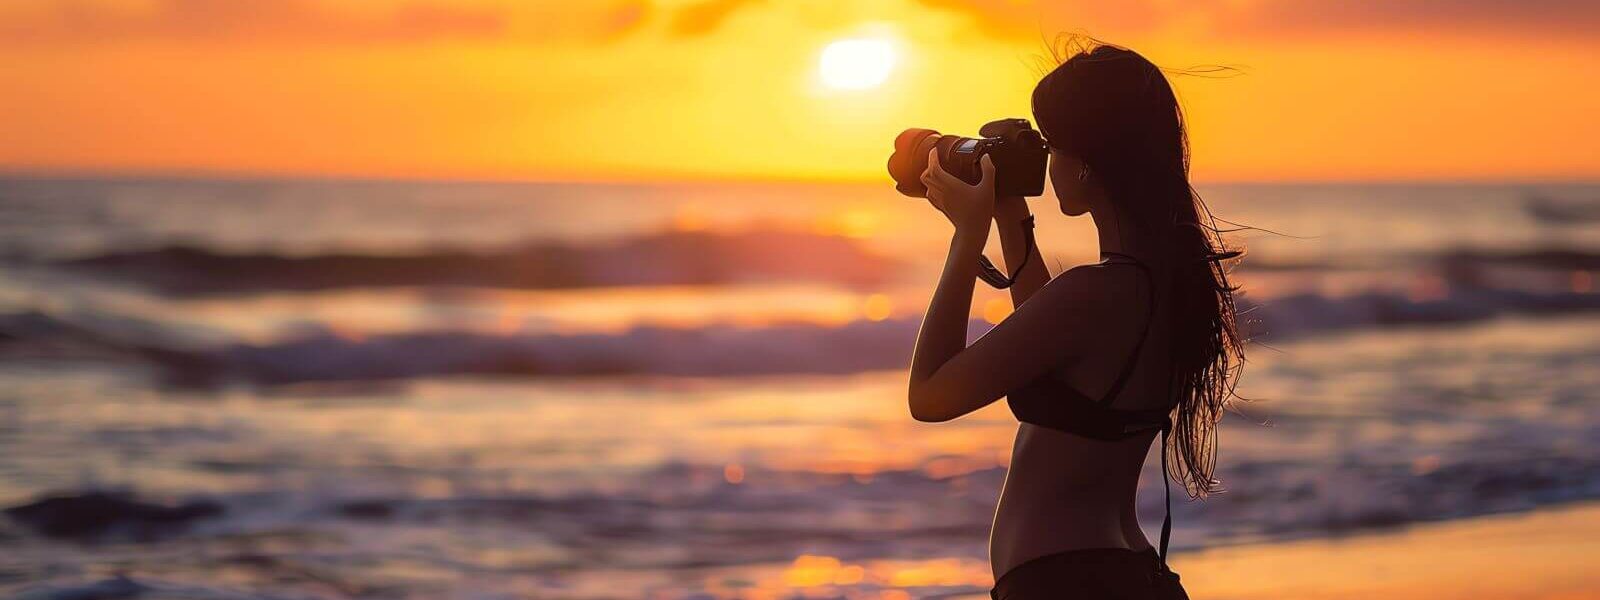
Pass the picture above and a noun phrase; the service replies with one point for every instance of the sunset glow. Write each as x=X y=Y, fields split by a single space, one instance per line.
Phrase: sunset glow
x=683 y=90
x=615 y=299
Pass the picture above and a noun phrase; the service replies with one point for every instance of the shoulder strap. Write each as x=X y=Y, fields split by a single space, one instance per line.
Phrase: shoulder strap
x=1166 y=474
x=1133 y=359
x=1166 y=484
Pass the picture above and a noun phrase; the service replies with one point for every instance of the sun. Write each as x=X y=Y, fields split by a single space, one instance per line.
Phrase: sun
x=856 y=64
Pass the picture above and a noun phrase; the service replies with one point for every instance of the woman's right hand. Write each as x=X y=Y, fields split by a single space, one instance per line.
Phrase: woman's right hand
x=969 y=207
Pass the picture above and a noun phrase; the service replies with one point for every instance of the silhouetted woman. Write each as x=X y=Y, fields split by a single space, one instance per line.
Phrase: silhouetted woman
x=1100 y=360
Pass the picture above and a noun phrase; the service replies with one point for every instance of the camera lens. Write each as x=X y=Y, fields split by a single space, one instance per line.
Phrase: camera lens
x=1019 y=155
x=910 y=159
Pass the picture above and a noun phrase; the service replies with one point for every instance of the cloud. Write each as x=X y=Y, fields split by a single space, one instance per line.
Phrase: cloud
x=554 y=21
x=316 y=21
x=1012 y=19
x=1299 y=17
x=707 y=16
x=1271 y=19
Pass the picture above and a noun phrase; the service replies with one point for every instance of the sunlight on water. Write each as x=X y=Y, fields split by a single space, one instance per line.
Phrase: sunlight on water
x=680 y=392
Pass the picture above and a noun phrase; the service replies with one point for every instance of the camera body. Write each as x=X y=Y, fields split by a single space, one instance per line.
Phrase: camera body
x=1017 y=149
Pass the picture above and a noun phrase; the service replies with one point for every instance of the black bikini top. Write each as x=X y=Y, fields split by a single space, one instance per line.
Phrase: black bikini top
x=1040 y=403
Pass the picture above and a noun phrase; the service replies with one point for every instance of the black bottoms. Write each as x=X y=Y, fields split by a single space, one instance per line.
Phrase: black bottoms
x=1091 y=573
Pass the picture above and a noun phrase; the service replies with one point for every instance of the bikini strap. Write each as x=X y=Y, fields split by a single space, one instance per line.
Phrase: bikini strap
x=1133 y=359
x=1166 y=474
x=1166 y=427
x=1166 y=484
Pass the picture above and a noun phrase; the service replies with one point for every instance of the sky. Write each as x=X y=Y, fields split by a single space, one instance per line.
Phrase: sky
x=641 y=90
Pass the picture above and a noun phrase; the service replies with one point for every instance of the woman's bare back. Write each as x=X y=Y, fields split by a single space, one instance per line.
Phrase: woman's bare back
x=1064 y=491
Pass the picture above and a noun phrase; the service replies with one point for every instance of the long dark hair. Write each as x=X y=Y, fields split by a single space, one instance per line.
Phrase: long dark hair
x=1116 y=111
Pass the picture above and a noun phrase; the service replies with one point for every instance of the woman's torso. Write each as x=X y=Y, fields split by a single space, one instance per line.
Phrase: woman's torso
x=1065 y=491
x=1052 y=505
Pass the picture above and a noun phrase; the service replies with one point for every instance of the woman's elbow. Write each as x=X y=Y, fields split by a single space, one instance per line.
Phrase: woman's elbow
x=926 y=409
x=926 y=416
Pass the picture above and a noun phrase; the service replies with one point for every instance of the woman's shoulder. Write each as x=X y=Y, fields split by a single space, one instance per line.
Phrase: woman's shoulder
x=1107 y=278
x=1115 y=287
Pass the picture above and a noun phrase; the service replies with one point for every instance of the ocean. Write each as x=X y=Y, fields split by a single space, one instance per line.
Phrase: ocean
x=388 y=389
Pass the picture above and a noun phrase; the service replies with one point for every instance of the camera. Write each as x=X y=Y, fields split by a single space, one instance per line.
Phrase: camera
x=1017 y=149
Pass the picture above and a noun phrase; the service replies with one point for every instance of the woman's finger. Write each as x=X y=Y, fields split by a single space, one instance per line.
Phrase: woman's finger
x=946 y=179
x=941 y=176
x=930 y=175
x=986 y=165
x=934 y=180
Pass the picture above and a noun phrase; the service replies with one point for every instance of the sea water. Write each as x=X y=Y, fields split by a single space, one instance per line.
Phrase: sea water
x=475 y=390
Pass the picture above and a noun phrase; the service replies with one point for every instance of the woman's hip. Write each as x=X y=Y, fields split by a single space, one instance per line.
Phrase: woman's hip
x=1097 y=573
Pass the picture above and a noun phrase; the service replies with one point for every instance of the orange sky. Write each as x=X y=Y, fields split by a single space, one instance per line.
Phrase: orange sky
x=597 y=90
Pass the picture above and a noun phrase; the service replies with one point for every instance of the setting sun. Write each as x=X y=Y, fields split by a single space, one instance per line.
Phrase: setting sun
x=856 y=64
x=629 y=299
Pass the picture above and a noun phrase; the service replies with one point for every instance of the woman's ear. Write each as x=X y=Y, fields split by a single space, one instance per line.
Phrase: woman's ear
x=1066 y=178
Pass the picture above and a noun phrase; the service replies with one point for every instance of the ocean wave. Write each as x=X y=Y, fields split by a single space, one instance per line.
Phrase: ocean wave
x=1555 y=258
x=687 y=514
x=1449 y=262
x=329 y=356
x=1305 y=313
x=718 y=350
x=795 y=348
x=666 y=258
x=99 y=514
x=1561 y=211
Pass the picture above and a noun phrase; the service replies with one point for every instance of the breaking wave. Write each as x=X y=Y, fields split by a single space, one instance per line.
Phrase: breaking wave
x=667 y=258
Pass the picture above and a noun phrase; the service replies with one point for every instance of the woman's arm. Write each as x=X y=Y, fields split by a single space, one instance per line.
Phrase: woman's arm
x=944 y=328
x=1009 y=214
x=949 y=379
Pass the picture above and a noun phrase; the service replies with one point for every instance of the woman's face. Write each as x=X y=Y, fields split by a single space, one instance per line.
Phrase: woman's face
x=1071 y=191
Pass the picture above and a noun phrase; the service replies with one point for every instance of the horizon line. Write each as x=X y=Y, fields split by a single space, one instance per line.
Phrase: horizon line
x=200 y=174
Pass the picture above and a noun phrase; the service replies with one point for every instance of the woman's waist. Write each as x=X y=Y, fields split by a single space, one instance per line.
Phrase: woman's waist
x=1069 y=458
x=1056 y=497
x=1033 y=524
x=1062 y=508
x=1063 y=484
x=1064 y=502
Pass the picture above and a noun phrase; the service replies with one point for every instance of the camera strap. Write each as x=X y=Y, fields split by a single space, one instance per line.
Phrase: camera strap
x=996 y=278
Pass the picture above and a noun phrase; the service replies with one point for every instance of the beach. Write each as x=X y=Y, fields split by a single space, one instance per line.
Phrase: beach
x=330 y=389
x=1545 y=555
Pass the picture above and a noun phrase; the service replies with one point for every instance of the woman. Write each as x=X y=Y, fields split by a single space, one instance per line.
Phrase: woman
x=1101 y=359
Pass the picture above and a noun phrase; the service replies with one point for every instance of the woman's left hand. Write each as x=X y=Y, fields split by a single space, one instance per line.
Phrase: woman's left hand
x=969 y=207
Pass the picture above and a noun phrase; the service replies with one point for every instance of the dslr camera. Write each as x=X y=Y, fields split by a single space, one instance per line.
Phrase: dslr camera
x=1017 y=149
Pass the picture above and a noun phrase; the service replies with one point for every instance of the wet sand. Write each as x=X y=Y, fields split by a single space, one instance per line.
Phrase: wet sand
x=1549 y=554
x=1546 y=555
